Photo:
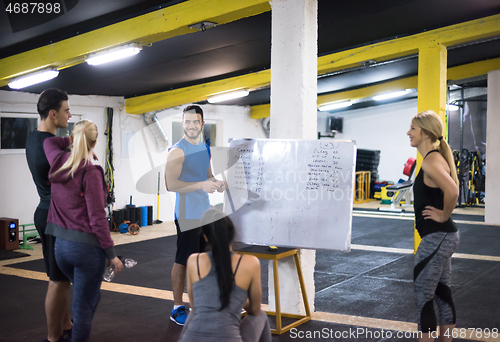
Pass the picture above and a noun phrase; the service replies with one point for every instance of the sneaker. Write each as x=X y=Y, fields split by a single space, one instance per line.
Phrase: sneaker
x=179 y=315
x=63 y=338
x=67 y=334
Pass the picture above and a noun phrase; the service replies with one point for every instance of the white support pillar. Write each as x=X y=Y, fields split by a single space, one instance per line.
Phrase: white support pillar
x=492 y=196
x=294 y=46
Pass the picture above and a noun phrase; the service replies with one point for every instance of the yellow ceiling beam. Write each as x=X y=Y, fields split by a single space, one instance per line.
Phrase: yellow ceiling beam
x=176 y=97
x=363 y=93
x=447 y=36
x=473 y=69
x=451 y=35
x=456 y=73
x=264 y=111
x=145 y=29
x=260 y=111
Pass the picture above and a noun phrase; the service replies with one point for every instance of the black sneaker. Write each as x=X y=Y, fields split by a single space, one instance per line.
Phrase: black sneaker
x=63 y=338
x=67 y=334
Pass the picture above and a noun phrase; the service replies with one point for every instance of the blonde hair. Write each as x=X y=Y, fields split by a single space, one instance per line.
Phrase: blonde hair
x=431 y=124
x=84 y=136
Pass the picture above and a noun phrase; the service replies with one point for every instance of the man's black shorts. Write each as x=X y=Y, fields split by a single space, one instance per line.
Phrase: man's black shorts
x=48 y=242
x=188 y=242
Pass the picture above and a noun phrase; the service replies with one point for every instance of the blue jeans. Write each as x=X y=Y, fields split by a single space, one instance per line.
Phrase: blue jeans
x=84 y=265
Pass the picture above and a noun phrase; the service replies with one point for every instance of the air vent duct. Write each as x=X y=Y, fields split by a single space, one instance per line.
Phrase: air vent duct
x=156 y=130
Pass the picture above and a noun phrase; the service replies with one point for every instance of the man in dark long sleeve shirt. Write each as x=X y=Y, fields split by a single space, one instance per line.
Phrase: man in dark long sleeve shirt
x=54 y=113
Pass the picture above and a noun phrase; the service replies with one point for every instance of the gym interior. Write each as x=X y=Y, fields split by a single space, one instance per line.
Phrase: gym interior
x=364 y=293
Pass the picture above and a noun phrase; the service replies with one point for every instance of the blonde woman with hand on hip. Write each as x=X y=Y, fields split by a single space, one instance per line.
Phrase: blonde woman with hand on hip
x=435 y=196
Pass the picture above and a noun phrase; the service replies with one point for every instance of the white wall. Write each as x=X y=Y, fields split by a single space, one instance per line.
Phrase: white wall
x=381 y=128
x=19 y=196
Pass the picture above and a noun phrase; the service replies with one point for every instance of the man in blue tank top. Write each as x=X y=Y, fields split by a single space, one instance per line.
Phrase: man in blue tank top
x=188 y=173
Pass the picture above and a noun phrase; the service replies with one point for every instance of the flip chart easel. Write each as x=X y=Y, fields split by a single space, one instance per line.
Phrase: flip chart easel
x=261 y=253
x=291 y=193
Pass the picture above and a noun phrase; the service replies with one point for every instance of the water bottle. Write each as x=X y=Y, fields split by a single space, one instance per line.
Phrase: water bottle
x=109 y=274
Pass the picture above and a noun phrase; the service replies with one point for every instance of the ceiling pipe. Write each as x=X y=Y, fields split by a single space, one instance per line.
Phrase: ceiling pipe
x=156 y=130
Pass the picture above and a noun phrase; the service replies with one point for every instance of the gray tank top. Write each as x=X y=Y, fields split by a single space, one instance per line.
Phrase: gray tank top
x=208 y=322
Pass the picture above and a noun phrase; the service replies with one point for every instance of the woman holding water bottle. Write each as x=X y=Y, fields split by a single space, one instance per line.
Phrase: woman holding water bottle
x=78 y=221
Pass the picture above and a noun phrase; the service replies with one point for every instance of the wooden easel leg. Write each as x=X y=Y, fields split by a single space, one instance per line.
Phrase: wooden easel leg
x=302 y=285
x=277 y=296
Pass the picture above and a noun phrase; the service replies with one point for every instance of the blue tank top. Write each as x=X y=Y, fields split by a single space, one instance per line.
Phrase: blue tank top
x=192 y=205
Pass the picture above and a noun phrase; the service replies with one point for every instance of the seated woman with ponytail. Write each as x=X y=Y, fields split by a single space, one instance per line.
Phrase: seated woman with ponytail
x=220 y=283
x=78 y=221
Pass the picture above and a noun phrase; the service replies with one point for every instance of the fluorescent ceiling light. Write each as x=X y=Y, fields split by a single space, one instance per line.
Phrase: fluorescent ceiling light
x=113 y=54
x=335 y=105
x=33 y=78
x=391 y=95
x=228 y=96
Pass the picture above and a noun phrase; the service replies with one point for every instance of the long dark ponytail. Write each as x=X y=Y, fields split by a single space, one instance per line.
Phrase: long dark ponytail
x=219 y=231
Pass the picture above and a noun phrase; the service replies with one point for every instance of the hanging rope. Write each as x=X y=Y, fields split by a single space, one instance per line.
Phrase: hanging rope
x=109 y=168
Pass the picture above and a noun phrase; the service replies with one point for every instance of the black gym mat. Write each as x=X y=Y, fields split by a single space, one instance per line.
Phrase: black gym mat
x=359 y=283
x=462 y=217
x=128 y=318
x=5 y=255
x=383 y=232
x=154 y=263
x=481 y=240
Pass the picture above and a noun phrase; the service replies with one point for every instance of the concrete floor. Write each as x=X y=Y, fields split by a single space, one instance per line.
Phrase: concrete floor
x=362 y=295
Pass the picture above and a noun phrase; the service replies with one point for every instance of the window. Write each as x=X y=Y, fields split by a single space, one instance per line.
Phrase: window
x=14 y=131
